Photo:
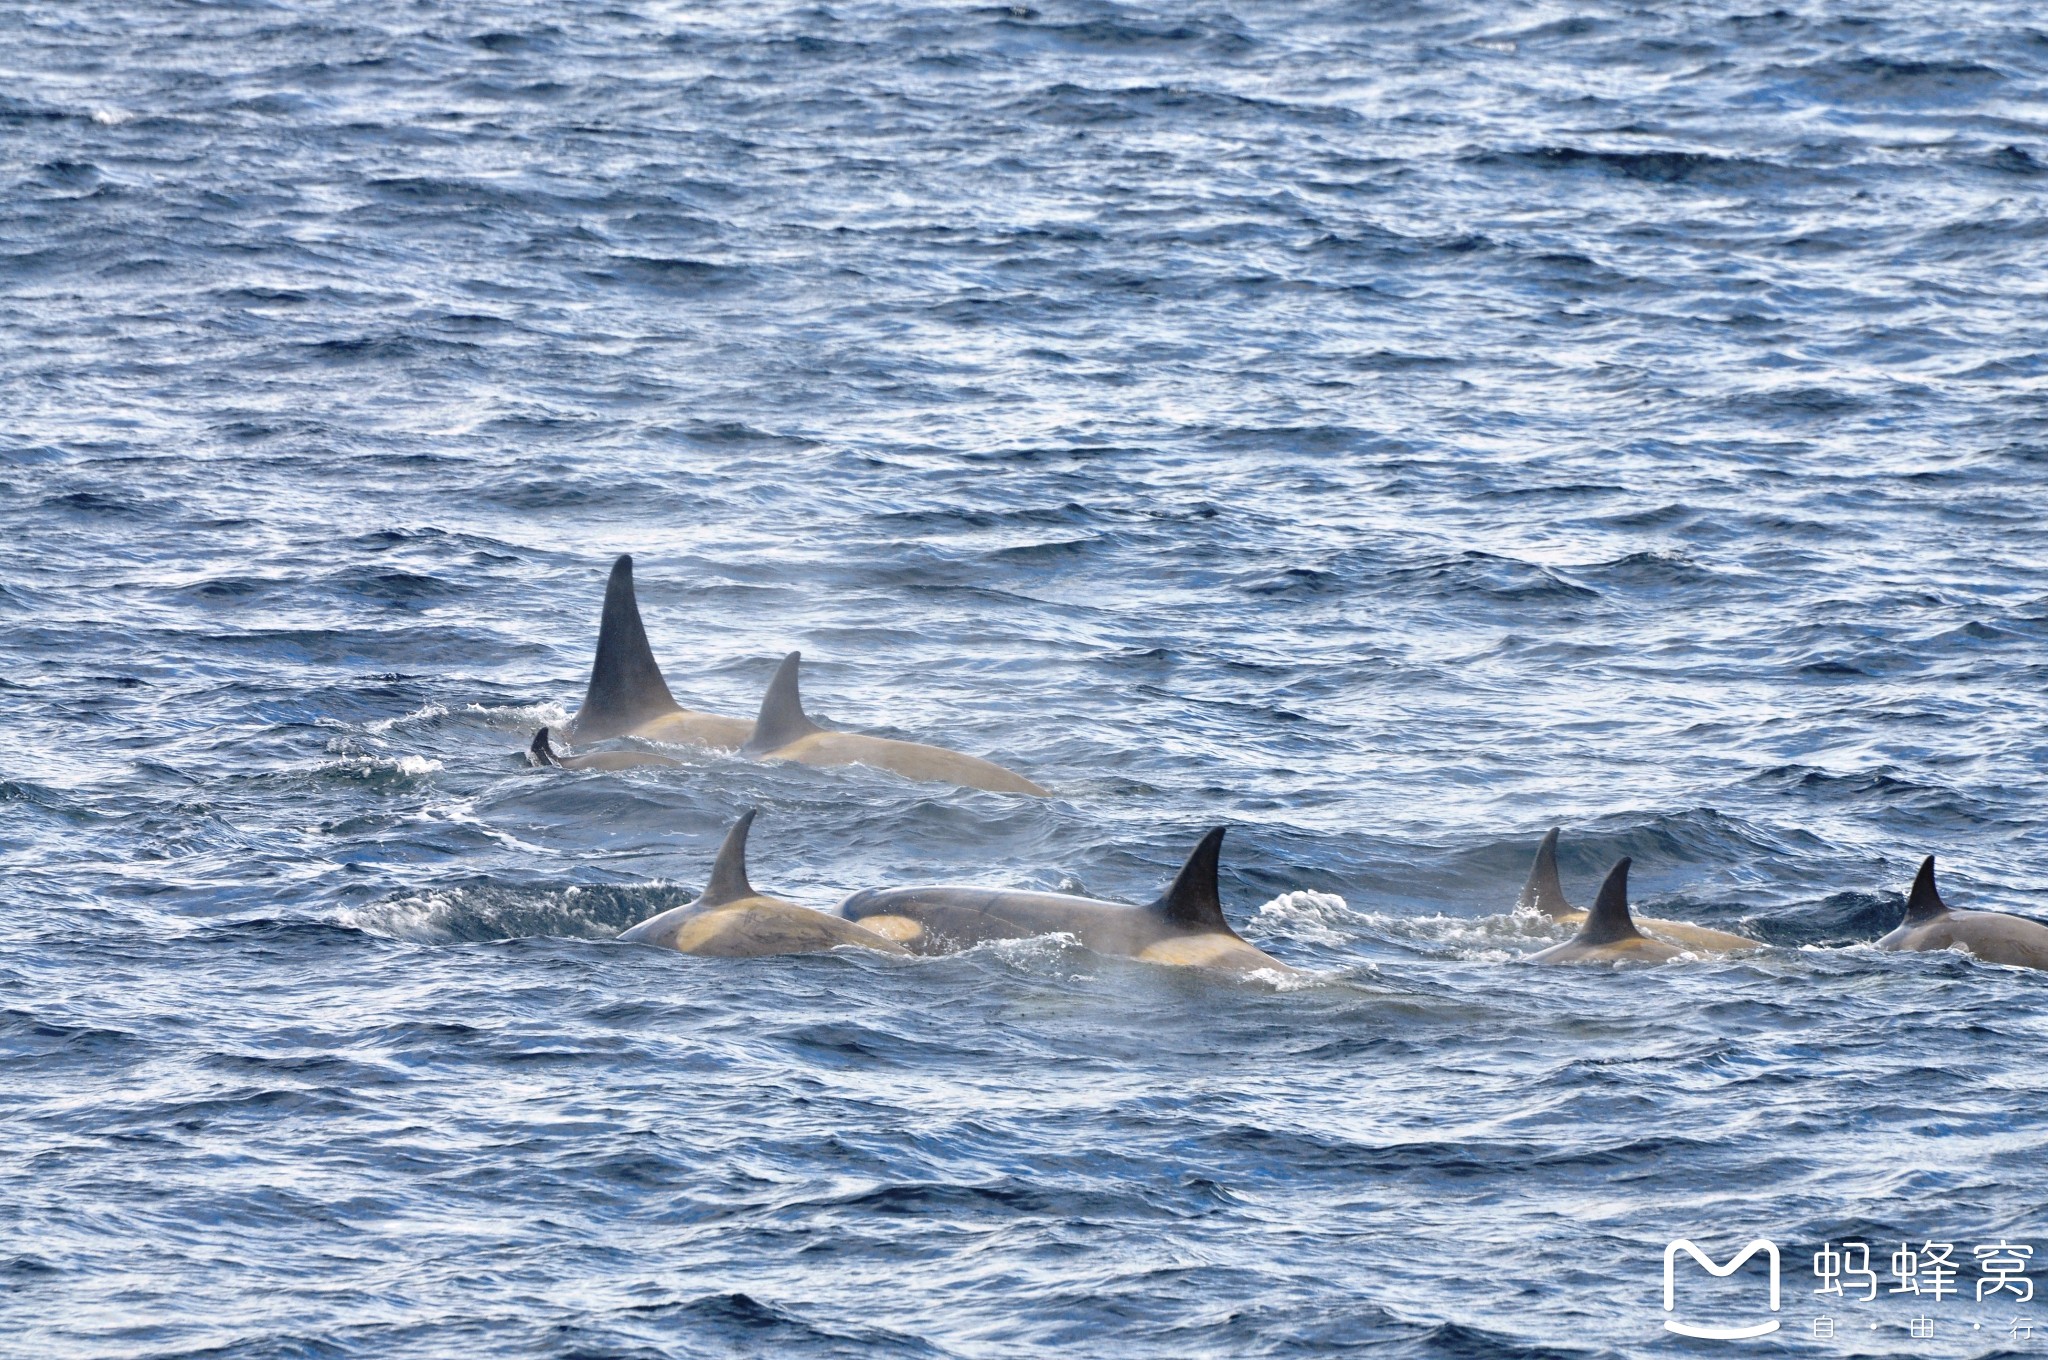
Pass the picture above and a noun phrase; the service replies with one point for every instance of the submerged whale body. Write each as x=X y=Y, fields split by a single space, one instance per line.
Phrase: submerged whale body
x=731 y=920
x=1609 y=934
x=1184 y=926
x=782 y=731
x=1544 y=893
x=1989 y=935
x=627 y=696
x=542 y=754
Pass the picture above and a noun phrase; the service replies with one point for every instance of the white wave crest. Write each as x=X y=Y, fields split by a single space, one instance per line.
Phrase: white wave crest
x=521 y=717
x=418 y=715
x=1315 y=917
x=360 y=765
x=1282 y=981
x=1500 y=938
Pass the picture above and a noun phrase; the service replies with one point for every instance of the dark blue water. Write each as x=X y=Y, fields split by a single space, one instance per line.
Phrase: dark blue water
x=1386 y=431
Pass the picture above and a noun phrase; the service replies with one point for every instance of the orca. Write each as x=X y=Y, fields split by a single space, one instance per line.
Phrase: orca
x=542 y=754
x=1609 y=935
x=1184 y=926
x=782 y=731
x=1544 y=893
x=1991 y=936
x=627 y=696
x=731 y=920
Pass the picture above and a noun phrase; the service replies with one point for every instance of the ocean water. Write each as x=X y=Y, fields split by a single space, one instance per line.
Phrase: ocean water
x=1387 y=431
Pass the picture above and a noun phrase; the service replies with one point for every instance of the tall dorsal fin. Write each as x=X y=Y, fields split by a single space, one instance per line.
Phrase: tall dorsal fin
x=729 y=871
x=1193 y=902
x=542 y=752
x=1544 y=891
x=1924 y=902
x=626 y=688
x=781 y=720
x=1609 y=922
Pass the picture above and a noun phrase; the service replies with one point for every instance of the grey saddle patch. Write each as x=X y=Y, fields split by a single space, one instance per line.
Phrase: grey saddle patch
x=626 y=688
x=1608 y=922
x=781 y=720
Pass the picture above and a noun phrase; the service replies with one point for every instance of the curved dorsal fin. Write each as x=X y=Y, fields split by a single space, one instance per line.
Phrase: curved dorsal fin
x=1609 y=922
x=542 y=752
x=781 y=720
x=1544 y=891
x=626 y=688
x=1192 y=902
x=729 y=871
x=1924 y=902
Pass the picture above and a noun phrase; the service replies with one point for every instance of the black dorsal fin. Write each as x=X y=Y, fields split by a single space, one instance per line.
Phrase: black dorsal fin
x=1193 y=903
x=542 y=752
x=729 y=871
x=1544 y=891
x=626 y=688
x=1609 y=922
x=781 y=720
x=1924 y=902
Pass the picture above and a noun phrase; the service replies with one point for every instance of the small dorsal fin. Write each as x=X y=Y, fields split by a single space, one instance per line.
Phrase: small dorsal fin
x=626 y=688
x=1192 y=902
x=1544 y=891
x=1609 y=922
x=542 y=752
x=729 y=871
x=781 y=720
x=1924 y=902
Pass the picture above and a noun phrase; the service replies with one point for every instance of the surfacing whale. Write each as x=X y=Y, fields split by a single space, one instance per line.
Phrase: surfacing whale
x=627 y=696
x=542 y=753
x=1609 y=935
x=783 y=732
x=1989 y=935
x=1184 y=926
x=1544 y=893
x=731 y=920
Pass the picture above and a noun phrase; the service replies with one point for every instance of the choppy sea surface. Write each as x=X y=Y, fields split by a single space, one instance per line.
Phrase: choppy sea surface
x=1387 y=431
